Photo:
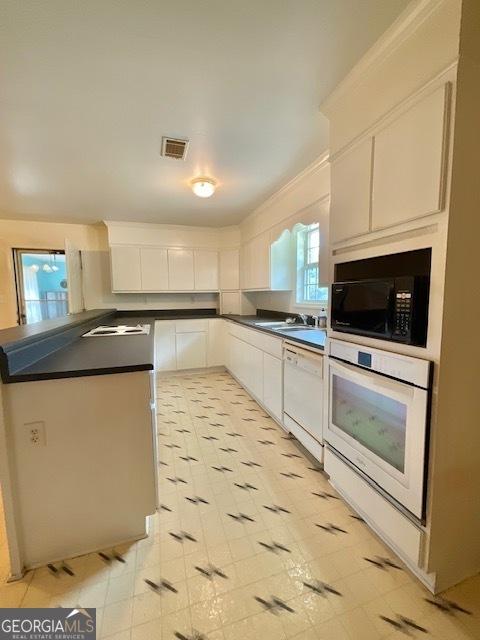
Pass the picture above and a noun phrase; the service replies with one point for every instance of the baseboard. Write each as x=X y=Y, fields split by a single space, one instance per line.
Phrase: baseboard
x=182 y=372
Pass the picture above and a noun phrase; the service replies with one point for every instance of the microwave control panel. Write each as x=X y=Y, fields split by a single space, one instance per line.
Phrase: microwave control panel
x=402 y=314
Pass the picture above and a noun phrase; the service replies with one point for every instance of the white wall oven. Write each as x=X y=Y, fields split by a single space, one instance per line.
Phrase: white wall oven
x=378 y=417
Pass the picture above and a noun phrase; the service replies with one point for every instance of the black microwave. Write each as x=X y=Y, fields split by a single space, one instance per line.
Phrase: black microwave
x=387 y=308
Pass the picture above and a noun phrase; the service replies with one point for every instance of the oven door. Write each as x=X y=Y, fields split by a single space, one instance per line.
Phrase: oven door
x=379 y=425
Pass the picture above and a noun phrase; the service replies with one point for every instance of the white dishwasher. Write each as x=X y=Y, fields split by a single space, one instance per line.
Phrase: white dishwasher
x=303 y=397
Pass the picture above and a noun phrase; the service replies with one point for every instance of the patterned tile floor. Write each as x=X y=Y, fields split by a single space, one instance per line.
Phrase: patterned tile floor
x=250 y=542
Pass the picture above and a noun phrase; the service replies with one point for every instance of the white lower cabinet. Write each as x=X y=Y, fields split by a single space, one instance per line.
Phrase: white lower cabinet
x=273 y=385
x=252 y=369
x=255 y=360
x=397 y=530
x=191 y=350
x=253 y=357
x=215 y=343
x=165 y=352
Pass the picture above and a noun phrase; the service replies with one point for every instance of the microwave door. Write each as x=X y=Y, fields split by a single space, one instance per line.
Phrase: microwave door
x=363 y=307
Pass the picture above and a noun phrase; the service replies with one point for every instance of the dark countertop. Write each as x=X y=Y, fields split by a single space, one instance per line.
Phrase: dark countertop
x=314 y=338
x=95 y=356
x=55 y=348
x=26 y=334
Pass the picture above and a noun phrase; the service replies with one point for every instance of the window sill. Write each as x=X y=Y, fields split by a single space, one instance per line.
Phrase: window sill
x=307 y=305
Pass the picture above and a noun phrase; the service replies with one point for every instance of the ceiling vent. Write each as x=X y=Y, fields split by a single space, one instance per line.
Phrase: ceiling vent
x=174 y=148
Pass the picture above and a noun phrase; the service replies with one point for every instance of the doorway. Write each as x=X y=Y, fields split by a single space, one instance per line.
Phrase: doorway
x=41 y=284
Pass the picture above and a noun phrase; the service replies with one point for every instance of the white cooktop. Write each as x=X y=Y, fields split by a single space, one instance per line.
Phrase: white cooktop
x=118 y=330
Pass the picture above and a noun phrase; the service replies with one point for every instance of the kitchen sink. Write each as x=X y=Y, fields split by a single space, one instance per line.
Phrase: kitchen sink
x=272 y=325
x=297 y=328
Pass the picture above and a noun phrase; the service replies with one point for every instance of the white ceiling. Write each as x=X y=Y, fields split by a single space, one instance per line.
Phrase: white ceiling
x=89 y=88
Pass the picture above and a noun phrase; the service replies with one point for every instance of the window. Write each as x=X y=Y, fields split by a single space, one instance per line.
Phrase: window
x=41 y=281
x=308 y=277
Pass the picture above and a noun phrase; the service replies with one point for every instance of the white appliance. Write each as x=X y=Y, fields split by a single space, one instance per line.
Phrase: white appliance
x=118 y=330
x=303 y=397
x=378 y=417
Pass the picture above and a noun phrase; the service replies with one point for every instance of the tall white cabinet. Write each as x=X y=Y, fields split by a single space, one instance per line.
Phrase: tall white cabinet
x=396 y=173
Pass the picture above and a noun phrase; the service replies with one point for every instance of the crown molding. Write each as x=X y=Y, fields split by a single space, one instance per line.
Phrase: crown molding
x=408 y=22
x=159 y=225
x=318 y=163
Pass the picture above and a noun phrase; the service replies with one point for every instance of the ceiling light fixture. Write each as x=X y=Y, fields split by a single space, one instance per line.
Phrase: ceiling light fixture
x=203 y=187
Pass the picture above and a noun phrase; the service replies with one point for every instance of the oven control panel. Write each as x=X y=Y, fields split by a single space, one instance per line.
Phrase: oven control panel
x=403 y=314
x=394 y=365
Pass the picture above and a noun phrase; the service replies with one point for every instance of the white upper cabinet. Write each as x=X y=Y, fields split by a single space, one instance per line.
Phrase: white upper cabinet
x=265 y=265
x=229 y=269
x=157 y=269
x=126 y=272
x=350 y=196
x=397 y=173
x=409 y=162
x=154 y=269
x=181 y=270
x=206 y=270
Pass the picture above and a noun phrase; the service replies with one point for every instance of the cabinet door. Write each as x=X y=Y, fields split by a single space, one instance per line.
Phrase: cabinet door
x=273 y=385
x=165 y=359
x=191 y=350
x=260 y=262
x=245 y=266
x=126 y=273
x=215 y=343
x=229 y=269
x=154 y=265
x=282 y=262
x=232 y=355
x=351 y=187
x=251 y=369
x=180 y=270
x=409 y=163
x=206 y=270
x=230 y=302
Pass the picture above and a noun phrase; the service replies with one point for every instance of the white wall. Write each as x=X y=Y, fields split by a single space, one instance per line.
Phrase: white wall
x=305 y=199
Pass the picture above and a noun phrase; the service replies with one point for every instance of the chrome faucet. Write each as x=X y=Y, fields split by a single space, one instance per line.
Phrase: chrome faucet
x=303 y=317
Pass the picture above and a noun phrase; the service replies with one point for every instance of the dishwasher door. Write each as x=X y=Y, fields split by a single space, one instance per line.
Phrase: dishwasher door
x=303 y=390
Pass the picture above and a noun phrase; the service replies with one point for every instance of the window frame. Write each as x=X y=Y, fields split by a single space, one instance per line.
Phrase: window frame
x=304 y=266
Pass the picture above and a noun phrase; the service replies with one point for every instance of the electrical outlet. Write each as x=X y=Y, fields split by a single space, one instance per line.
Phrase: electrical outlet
x=36 y=433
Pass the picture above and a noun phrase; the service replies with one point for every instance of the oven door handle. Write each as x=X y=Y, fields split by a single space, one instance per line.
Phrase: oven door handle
x=360 y=375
